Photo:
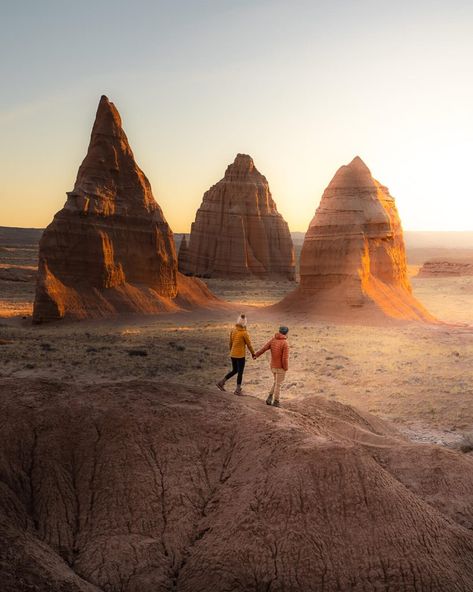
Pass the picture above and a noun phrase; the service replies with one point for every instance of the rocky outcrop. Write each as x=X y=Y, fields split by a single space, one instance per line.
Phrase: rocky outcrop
x=446 y=268
x=183 y=252
x=238 y=231
x=110 y=248
x=145 y=486
x=353 y=259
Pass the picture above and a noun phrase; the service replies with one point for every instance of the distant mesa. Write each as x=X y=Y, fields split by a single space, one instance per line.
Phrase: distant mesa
x=441 y=268
x=110 y=249
x=353 y=259
x=238 y=231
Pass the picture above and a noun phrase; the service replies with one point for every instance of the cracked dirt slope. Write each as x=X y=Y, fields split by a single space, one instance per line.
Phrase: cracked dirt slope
x=138 y=487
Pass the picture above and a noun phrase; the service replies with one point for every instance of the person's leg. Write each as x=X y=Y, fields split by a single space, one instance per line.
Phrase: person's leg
x=269 y=400
x=241 y=368
x=234 y=370
x=279 y=376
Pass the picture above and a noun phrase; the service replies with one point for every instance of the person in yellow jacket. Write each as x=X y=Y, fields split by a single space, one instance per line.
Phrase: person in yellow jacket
x=239 y=341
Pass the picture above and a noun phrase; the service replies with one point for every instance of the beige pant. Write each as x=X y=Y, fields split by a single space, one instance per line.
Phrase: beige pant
x=279 y=375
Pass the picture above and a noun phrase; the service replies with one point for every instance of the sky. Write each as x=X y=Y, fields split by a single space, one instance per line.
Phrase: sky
x=301 y=86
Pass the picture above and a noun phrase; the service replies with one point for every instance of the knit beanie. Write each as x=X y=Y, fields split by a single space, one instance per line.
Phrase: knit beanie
x=241 y=320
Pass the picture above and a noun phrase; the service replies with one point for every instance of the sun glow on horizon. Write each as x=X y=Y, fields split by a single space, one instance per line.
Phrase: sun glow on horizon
x=322 y=84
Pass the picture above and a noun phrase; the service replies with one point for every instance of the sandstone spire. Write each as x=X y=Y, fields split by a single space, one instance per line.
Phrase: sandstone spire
x=353 y=254
x=110 y=248
x=238 y=231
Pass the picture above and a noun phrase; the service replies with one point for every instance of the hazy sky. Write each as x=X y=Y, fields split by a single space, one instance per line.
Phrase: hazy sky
x=302 y=86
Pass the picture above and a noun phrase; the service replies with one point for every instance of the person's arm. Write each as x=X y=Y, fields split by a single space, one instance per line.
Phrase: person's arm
x=248 y=343
x=265 y=348
x=285 y=356
x=231 y=340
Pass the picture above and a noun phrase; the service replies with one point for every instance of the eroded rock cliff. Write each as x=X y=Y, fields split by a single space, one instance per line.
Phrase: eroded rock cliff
x=110 y=248
x=353 y=256
x=238 y=231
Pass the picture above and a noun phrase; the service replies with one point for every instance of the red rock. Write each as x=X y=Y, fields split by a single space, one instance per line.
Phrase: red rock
x=183 y=252
x=238 y=231
x=353 y=256
x=145 y=486
x=110 y=249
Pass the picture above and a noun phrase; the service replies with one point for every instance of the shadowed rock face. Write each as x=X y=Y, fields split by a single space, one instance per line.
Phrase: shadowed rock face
x=183 y=252
x=238 y=230
x=353 y=254
x=109 y=249
x=144 y=487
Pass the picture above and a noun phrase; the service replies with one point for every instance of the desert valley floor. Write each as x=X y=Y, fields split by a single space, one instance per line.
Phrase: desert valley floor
x=124 y=468
x=419 y=377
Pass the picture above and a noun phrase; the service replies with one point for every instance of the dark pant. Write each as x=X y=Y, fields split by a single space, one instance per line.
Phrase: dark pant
x=238 y=365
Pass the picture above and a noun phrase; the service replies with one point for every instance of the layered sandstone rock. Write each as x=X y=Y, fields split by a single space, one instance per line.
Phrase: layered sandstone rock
x=142 y=486
x=183 y=253
x=110 y=248
x=353 y=256
x=446 y=268
x=238 y=231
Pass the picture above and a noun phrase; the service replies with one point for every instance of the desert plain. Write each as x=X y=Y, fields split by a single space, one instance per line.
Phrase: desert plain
x=417 y=376
x=125 y=469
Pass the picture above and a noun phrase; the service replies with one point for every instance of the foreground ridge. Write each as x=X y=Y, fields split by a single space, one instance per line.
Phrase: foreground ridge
x=145 y=486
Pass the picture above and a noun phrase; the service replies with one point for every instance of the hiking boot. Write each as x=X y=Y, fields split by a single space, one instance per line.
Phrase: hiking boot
x=221 y=385
x=276 y=404
x=238 y=391
x=269 y=400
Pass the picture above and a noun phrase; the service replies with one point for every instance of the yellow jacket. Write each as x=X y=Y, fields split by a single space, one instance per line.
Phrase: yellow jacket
x=238 y=339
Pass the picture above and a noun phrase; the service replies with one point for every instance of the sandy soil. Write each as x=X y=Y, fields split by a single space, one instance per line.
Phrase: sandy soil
x=419 y=377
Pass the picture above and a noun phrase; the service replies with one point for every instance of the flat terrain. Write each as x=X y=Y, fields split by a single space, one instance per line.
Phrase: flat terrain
x=418 y=377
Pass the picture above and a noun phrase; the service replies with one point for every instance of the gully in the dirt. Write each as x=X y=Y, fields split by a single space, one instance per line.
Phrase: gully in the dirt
x=239 y=341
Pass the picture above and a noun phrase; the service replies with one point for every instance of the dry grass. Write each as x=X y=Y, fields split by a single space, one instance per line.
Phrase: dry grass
x=419 y=377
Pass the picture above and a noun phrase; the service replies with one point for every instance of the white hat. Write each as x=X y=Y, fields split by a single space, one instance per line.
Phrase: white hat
x=241 y=320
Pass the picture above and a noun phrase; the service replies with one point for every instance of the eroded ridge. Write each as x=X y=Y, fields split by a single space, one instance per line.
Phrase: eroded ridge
x=139 y=486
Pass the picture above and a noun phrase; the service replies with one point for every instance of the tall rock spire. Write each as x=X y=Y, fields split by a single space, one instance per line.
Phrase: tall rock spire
x=110 y=248
x=238 y=231
x=353 y=257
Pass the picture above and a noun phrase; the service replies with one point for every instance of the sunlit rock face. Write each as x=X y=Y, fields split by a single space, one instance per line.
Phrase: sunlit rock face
x=110 y=248
x=238 y=231
x=353 y=254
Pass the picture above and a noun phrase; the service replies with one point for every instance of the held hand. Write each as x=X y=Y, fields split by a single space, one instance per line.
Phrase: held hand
x=254 y=357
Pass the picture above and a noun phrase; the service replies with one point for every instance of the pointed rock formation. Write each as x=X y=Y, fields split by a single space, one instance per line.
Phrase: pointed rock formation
x=238 y=231
x=353 y=256
x=110 y=248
